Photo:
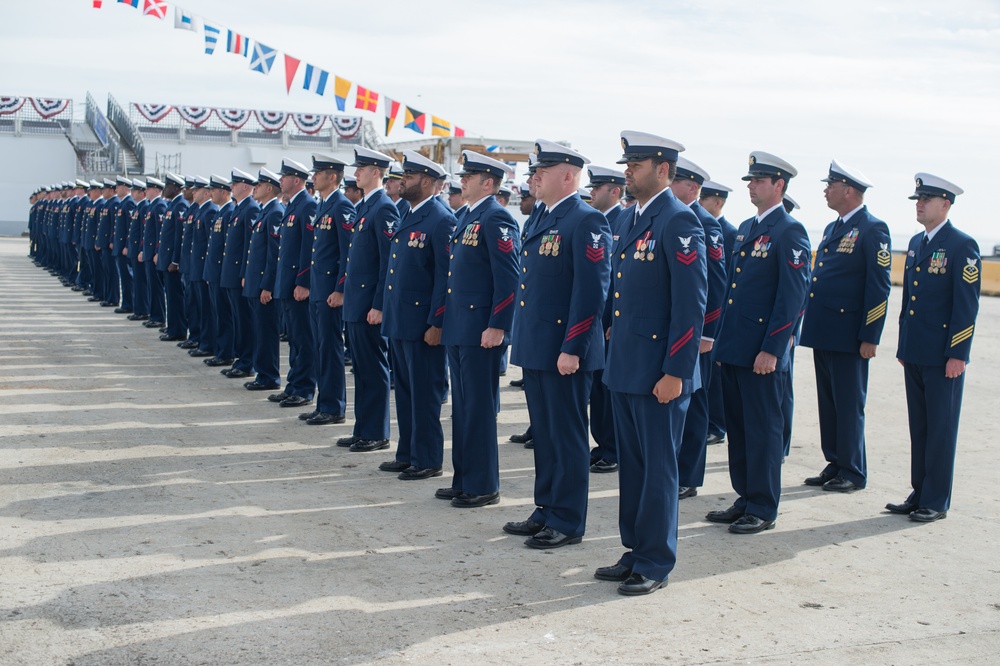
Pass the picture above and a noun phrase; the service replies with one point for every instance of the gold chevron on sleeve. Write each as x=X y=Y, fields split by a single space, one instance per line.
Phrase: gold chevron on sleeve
x=876 y=312
x=962 y=336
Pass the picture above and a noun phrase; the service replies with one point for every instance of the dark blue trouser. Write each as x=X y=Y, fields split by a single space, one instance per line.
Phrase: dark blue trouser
x=691 y=456
x=222 y=313
x=301 y=378
x=268 y=348
x=192 y=308
x=112 y=287
x=154 y=281
x=557 y=407
x=419 y=380
x=649 y=436
x=788 y=402
x=245 y=334
x=475 y=393
x=934 y=404
x=140 y=288
x=206 y=315
x=842 y=390
x=755 y=422
x=602 y=422
x=371 y=381
x=125 y=279
x=177 y=321
x=97 y=268
x=716 y=407
x=331 y=378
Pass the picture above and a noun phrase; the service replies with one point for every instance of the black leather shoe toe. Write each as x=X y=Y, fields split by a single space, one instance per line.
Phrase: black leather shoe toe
x=257 y=386
x=685 y=492
x=751 y=524
x=367 y=445
x=277 y=397
x=903 y=508
x=730 y=515
x=925 y=515
x=324 y=418
x=295 y=401
x=447 y=493
x=523 y=528
x=637 y=585
x=393 y=466
x=818 y=480
x=617 y=572
x=520 y=438
x=347 y=441
x=418 y=473
x=603 y=467
x=840 y=485
x=549 y=538
x=464 y=501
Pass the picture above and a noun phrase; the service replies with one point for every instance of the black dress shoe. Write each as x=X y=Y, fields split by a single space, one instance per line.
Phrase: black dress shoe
x=347 y=441
x=77 y=289
x=686 y=491
x=166 y=337
x=637 y=585
x=548 y=538
x=523 y=528
x=840 y=485
x=325 y=418
x=93 y=299
x=751 y=524
x=163 y=328
x=530 y=444
x=295 y=401
x=517 y=383
x=715 y=439
x=88 y=292
x=367 y=445
x=603 y=467
x=151 y=323
x=819 y=480
x=123 y=310
x=465 y=501
x=925 y=515
x=108 y=304
x=521 y=439
x=617 y=573
x=903 y=508
x=199 y=353
x=277 y=397
x=447 y=493
x=257 y=386
x=188 y=344
x=283 y=337
x=730 y=515
x=412 y=473
x=393 y=466
x=234 y=373
x=216 y=362
x=308 y=415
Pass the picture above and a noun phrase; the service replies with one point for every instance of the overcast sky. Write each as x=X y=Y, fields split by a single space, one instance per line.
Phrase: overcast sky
x=890 y=88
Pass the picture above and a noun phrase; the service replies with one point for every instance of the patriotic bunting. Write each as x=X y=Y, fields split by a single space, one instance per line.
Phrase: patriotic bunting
x=211 y=38
x=237 y=43
x=391 y=111
x=49 y=108
x=263 y=58
x=183 y=20
x=272 y=121
x=195 y=115
x=10 y=105
x=415 y=120
x=309 y=123
x=341 y=89
x=346 y=126
x=315 y=80
x=157 y=8
x=234 y=119
x=291 y=66
x=440 y=127
x=154 y=113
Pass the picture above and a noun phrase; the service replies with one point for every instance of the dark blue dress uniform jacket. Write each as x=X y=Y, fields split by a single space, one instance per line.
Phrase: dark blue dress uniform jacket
x=415 y=285
x=331 y=240
x=768 y=279
x=119 y=240
x=941 y=288
x=295 y=248
x=187 y=237
x=368 y=258
x=262 y=255
x=716 y=265
x=238 y=232
x=135 y=229
x=483 y=276
x=169 y=249
x=849 y=292
x=200 y=227
x=565 y=274
x=152 y=225
x=217 y=243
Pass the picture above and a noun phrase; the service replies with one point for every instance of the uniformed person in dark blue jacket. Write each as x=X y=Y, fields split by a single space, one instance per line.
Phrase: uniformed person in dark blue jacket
x=234 y=259
x=196 y=194
x=133 y=247
x=768 y=280
x=151 y=227
x=218 y=309
x=941 y=283
x=258 y=282
x=93 y=241
x=393 y=184
x=119 y=242
x=412 y=315
x=607 y=187
x=659 y=291
x=712 y=198
x=559 y=342
x=845 y=314
x=103 y=244
x=167 y=258
x=331 y=239
x=199 y=226
x=291 y=285
x=478 y=314
x=364 y=290
x=691 y=457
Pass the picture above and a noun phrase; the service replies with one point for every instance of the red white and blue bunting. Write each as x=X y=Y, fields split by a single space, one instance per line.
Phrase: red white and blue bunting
x=309 y=123
x=272 y=121
x=10 y=105
x=234 y=119
x=195 y=115
x=154 y=113
x=346 y=126
x=49 y=108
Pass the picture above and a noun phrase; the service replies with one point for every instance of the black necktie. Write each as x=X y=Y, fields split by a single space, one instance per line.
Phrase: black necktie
x=840 y=221
x=926 y=242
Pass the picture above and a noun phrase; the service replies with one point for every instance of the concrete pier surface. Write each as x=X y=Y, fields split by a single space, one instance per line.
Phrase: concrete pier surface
x=155 y=512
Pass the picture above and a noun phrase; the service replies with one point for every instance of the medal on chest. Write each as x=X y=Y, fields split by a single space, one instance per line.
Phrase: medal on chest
x=471 y=234
x=847 y=241
x=761 y=247
x=549 y=245
x=644 y=248
x=939 y=263
x=417 y=239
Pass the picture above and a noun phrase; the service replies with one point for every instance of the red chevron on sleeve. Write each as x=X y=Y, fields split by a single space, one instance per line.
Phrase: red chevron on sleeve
x=342 y=280
x=779 y=330
x=715 y=253
x=713 y=315
x=595 y=254
x=683 y=340
x=687 y=259
x=440 y=311
x=301 y=273
x=579 y=329
x=502 y=304
x=505 y=246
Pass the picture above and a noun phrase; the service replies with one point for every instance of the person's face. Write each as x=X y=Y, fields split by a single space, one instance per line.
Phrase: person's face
x=290 y=185
x=548 y=181
x=353 y=194
x=527 y=203
x=685 y=189
x=368 y=177
x=641 y=179
x=764 y=191
x=473 y=187
x=836 y=194
x=411 y=187
x=455 y=200
x=394 y=186
x=713 y=205
x=931 y=211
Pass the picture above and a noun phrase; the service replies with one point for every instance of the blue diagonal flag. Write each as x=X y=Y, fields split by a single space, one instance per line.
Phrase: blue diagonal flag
x=263 y=58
